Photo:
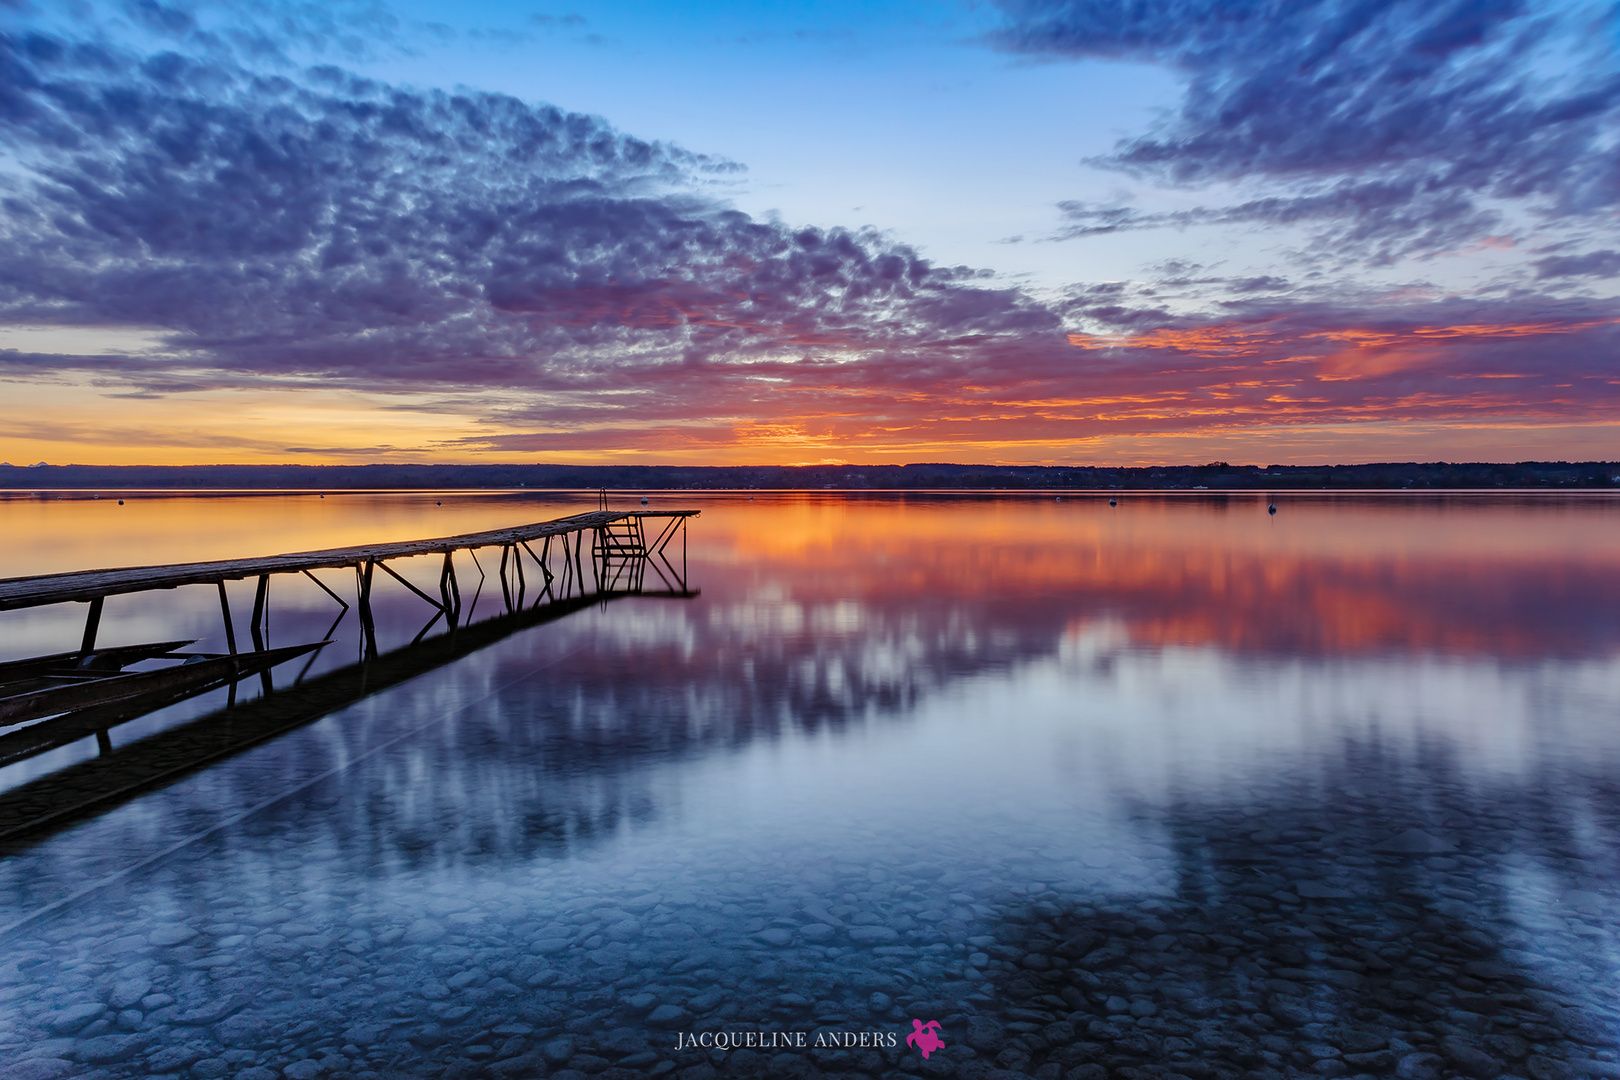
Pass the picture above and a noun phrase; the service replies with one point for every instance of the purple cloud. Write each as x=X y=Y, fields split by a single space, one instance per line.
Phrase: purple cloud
x=580 y=289
x=1597 y=264
x=327 y=223
x=1400 y=126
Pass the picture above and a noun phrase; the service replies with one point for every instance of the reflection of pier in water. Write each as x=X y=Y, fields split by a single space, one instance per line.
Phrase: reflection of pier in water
x=51 y=701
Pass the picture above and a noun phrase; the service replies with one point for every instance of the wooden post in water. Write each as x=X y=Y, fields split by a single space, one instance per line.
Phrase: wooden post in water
x=260 y=595
x=579 y=563
x=506 y=591
x=544 y=559
x=447 y=590
x=92 y=622
x=366 y=622
x=225 y=609
x=261 y=616
x=599 y=555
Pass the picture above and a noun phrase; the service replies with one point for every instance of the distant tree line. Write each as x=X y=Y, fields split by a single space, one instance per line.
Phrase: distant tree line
x=1216 y=475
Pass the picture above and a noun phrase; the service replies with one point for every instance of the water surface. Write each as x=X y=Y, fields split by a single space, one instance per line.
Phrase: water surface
x=1169 y=787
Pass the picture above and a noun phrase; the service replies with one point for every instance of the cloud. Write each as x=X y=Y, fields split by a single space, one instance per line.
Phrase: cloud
x=1401 y=126
x=1267 y=365
x=332 y=224
x=1380 y=220
x=1598 y=264
x=574 y=288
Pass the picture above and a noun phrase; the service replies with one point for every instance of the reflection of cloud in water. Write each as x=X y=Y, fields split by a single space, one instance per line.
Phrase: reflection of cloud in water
x=590 y=722
x=1509 y=579
x=1199 y=716
x=1071 y=747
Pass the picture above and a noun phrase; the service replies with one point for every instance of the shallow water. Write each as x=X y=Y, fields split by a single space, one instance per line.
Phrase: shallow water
x=1170 y=787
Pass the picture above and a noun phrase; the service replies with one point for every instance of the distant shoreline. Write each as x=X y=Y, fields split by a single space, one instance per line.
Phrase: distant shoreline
x=1217 y=476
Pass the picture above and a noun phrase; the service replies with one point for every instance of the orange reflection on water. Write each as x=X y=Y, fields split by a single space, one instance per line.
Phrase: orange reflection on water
x=1513 y=578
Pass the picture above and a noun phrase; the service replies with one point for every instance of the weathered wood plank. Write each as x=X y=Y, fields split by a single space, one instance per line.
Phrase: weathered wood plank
x=101 y=660
x=187 y=681
x=24 y=592
x=34 y=704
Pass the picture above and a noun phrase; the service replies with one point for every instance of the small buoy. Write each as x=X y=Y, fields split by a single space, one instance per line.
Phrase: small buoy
x=1272 y=509
x=643 y=502
x=120 y=502
x=1113 y=502
x=1057 y=498
x=323 y=496
x=439 y=503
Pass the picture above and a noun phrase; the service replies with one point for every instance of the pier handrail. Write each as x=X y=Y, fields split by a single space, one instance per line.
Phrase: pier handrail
x=82 y=585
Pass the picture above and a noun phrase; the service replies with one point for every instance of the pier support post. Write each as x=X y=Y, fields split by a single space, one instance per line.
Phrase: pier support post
x=260 y=629
x=344 y=604
x=367 y=624
x=230 y=631
x=506 y=588
x=567 y=564
x=545 y=563
x=92 y=622
x=599 y=558
x=545 y=587
x=260 y=596
x=449 y=595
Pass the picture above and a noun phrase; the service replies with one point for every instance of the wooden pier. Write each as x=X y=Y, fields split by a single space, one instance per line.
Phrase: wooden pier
x=620 y=551
x=91 y=786
x=626 y=528
x=50 y=701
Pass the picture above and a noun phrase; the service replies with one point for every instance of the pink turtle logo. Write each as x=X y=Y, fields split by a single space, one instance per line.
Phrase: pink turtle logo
x=925 y=1038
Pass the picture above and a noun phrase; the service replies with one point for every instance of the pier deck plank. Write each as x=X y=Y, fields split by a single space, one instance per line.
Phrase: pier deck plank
x=81 y=585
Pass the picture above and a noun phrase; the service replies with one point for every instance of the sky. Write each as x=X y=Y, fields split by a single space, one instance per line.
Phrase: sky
x=1024 y=231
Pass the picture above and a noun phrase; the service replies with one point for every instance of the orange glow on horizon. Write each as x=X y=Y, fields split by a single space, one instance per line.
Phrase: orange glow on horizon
x=1246 y=338
x=1257 y=392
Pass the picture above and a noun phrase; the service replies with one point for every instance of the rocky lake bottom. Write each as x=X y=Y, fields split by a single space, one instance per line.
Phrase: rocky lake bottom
x=1391 y=926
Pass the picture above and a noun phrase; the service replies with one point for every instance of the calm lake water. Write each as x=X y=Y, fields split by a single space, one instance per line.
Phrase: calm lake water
x=1170 y=788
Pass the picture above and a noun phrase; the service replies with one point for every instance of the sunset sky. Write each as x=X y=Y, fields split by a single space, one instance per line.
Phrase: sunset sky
x=1104 y=232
